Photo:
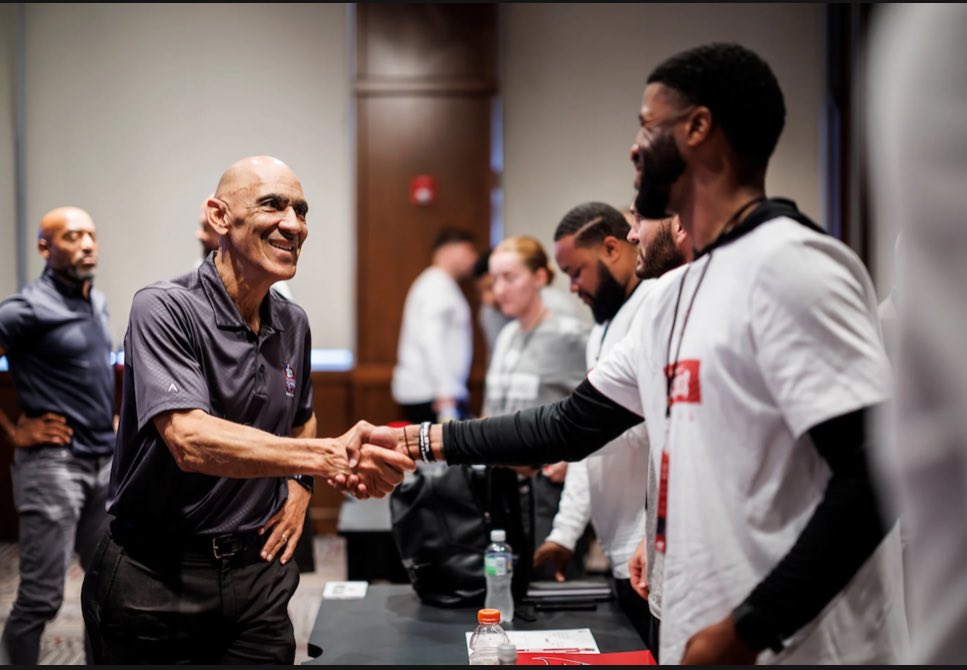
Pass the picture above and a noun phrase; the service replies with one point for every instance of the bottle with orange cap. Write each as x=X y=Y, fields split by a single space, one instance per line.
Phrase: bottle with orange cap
x=487 y=638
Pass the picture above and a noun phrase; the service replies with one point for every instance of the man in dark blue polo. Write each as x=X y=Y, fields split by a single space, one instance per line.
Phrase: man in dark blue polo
x=216 y=416
x=55 y=334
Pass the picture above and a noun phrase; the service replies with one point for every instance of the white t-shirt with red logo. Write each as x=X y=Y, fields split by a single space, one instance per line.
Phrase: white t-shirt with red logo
x=782 y=335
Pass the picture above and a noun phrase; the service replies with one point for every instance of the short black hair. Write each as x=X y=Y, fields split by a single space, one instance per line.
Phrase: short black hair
x=591 y=222
x=740 y=90
x=452 y=236
x=482 y=266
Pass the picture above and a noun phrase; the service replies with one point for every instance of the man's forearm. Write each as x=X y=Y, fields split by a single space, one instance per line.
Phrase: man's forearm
x=566 y=430
x=205 y=444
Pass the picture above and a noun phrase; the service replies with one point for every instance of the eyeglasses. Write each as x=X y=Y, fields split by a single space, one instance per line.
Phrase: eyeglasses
x=649 y=130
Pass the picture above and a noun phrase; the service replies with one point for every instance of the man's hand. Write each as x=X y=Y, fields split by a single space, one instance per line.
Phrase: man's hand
x=286 y=524
x=556 y=555
x=49 y=428
x=351 y=443
x=638 y=569
x=718 y=645
x=390 y=438
x=379 y=464
x=380 y=471
x=556 y=472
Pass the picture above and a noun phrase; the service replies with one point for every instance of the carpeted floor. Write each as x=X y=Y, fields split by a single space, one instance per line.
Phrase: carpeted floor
x=63 y=644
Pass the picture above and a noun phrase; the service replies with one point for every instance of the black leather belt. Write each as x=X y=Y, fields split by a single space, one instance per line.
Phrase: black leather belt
x=238 y=547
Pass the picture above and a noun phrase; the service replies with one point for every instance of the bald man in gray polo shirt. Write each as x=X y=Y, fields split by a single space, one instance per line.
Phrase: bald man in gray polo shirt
x=216 y=419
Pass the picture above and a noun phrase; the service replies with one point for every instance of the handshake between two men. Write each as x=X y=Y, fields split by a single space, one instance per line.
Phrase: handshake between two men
x=377 y=457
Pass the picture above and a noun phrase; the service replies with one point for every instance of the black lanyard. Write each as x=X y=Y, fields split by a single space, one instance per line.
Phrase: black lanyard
x=671 y=371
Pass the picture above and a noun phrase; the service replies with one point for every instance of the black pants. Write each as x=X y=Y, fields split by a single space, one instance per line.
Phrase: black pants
x=156 y=605
x=636 y=609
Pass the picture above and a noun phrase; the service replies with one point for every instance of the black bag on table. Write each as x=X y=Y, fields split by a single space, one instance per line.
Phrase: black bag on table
x=442 y=517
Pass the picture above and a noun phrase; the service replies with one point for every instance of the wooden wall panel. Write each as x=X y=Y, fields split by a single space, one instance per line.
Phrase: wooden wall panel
x=400 y=137
x=455 y=42
x=425 y=81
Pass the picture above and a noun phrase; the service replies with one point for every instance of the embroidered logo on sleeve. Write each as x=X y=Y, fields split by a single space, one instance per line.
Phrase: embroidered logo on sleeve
x=172 y=388
x=685 y=382
x=289 y=380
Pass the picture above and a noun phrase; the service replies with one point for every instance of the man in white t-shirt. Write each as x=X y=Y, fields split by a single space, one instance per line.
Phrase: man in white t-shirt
x=605 y=270
x=775 y=548
x=770 y=347
x=436 y=338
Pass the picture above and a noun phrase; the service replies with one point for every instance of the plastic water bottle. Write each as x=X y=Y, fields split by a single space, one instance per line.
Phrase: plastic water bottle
x=507 y=654
x=499 y=570
x=487 y=638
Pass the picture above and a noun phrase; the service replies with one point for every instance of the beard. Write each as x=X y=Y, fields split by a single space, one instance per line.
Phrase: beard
x=660 y=256
x=609 y=297
x=661 y=165
x=76 y=273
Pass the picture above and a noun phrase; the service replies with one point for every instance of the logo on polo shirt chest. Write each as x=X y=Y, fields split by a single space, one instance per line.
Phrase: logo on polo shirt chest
x=289 y=375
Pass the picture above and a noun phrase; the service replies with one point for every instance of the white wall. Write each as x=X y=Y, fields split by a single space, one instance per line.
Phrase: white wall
x=572 y=78
x=8 y=212
x=134 y=111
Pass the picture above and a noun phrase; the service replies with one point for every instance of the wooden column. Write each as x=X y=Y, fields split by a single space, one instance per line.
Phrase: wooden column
x=426 y=75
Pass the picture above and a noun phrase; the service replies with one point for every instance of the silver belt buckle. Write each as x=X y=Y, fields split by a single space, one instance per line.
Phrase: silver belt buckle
x=234 y=546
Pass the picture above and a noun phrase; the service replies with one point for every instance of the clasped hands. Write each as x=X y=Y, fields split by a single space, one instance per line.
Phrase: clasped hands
x=376 y=460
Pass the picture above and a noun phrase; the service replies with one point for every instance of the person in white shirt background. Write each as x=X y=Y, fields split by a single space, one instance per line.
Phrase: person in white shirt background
x=918 y=143
x=436 y=338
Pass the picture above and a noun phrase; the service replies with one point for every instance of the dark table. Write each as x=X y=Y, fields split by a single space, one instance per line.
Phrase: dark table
x=390 y=626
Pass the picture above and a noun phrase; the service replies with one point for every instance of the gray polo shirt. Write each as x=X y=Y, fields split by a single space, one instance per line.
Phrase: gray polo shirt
x=187 y=347
x=59 y=347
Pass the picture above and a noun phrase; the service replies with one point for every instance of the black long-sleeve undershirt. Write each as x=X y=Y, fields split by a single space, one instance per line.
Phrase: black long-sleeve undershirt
x=844 y=530
x=567 y=430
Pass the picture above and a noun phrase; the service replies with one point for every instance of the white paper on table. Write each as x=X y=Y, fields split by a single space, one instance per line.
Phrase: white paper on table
x=563 y=641
x=344 y=590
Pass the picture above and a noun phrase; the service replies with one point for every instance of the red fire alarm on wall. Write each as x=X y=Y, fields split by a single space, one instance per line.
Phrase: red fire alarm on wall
x=422 y=189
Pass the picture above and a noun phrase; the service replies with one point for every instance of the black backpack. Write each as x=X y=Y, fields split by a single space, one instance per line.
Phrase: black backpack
x=442 y=517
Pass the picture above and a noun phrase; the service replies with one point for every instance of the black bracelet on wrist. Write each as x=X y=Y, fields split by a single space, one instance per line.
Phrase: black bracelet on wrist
x=306 y=481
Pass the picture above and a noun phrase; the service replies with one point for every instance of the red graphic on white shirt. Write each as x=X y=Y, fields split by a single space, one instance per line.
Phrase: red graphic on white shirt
x=685 y=385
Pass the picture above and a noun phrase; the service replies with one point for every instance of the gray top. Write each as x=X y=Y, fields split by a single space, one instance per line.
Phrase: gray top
x=187 y=347
x=537 y=367
x=59 y=347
